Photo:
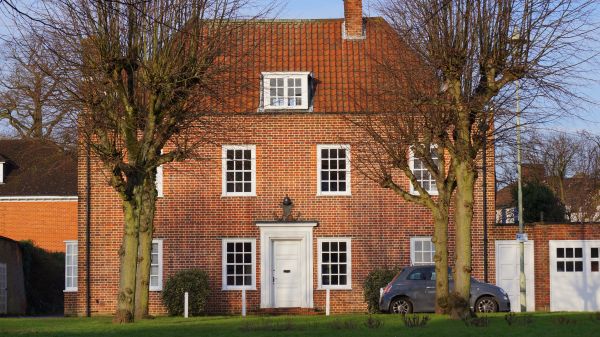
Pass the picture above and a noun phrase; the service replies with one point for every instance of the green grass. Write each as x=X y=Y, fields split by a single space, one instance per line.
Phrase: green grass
x=543 y=324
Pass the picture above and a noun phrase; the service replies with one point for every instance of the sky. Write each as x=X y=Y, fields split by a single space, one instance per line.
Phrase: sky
x=588 y=116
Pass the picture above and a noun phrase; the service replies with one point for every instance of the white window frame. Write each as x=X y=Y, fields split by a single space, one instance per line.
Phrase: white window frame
x=224 y=192
x=67 y=276
x=413 y=241
x=159 y=286
x=224 y=243
x=348 y=242
x=159 y=182
x=348 y=191
x=573 y=259
x=267 y=76
x=1 y=171
x=411 y=163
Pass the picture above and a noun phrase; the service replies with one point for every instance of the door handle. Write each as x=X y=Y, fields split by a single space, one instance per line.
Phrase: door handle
x=286 y=271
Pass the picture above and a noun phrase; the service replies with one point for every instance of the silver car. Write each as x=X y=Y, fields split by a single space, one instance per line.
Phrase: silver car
x=413 y=290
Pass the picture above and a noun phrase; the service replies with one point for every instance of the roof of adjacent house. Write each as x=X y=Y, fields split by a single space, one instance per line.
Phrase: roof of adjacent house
x=344 y=71
x=37 y=168
x=575 y=187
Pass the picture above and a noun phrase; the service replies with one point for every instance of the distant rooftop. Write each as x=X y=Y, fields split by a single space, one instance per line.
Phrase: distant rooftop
x=37 y=168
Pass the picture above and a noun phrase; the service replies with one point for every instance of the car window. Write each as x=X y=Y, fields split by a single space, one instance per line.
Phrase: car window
x=420 y=275
x=433 y=276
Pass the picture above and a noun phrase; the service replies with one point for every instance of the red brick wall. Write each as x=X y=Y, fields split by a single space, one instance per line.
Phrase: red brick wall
x=541 y=234
x=353 y=17
x=192 y=218
x=71 y=303
x=47 y=224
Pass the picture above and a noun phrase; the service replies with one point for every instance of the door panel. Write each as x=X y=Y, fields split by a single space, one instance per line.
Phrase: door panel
x=574 y=275
x=287 y=274
x=507 y=272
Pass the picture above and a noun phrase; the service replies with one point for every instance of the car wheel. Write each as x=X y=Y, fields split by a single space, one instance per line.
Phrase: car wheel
x=486 y=304
x=401 y=306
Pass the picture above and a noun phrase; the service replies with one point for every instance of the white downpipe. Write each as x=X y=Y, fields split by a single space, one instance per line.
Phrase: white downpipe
x=185 y=304
x=327 y=303
x=243 y=302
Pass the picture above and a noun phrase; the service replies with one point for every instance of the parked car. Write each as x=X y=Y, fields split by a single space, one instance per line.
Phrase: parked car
x=413 y=290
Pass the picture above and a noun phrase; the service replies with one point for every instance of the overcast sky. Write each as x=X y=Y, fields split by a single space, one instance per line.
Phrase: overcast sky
x=305 y=9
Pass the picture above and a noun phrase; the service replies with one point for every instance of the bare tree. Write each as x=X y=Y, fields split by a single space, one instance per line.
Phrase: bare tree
x=558 y=153
x=152 y=76
x=402 y=149
x=571 y=163
x=478 y=50
x=33 y=99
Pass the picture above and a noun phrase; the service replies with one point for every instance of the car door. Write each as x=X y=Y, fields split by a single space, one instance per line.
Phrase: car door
x=423 y=289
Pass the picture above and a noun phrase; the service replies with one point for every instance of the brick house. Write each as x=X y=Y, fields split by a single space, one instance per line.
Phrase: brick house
x=223 y=215
x=38 y=193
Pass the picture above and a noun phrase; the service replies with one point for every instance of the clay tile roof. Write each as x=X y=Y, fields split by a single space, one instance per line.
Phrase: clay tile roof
x=37 y=168
x=343 y=71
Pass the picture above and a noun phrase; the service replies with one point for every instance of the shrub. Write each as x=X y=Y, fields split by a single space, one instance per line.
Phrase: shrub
x=539 y=198
x=377 y=279
x=44 y=276
x=195 y=282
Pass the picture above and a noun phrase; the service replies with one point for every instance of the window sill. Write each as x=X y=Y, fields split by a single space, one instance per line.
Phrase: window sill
x=155 y=289
x=335 y=288
x=327 y=194
x=237 y=288
x=229 y=195
x=70 y=290
x=432 y=193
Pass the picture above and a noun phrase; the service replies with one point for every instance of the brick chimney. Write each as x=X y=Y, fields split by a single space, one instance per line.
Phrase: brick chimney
x=353 y=20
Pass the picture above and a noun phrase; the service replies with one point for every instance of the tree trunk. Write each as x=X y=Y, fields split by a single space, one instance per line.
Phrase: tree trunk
x=147 y=209
x=440 y=241
x=459 y=302
x=127 y=271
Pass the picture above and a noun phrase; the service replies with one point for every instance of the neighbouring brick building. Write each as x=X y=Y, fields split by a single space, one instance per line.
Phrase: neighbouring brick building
x=220 y=215
x=38 y=193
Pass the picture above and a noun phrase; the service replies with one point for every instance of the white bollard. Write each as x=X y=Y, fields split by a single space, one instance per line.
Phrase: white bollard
x=327 y=310
x=185 y=305
x=243 y=302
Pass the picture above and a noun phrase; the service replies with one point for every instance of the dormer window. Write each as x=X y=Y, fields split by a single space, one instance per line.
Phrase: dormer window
x=283 y=91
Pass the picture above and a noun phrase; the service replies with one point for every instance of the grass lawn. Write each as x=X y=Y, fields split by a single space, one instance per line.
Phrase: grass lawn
x=542 y=324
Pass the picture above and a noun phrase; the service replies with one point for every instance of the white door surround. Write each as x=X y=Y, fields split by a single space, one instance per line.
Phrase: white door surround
x=507 y=272
x=285 y=237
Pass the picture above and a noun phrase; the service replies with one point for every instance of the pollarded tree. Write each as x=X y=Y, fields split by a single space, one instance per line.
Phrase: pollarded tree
x=478 y=50
x=402 y=142
x=152 y=76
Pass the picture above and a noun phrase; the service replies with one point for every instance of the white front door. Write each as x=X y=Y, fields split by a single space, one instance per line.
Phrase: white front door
x=287 y=274
x=507 y=272
x=574 y=275
x=3 y=289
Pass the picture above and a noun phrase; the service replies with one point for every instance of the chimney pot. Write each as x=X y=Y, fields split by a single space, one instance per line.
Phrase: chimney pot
x=353 y=20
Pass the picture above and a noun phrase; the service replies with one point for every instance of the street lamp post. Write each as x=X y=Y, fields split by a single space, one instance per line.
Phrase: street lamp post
x=522 y=283
x=516 y=40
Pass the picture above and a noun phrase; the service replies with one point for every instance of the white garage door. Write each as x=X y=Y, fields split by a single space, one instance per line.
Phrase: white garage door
x=507 y=272
x=574 y=275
